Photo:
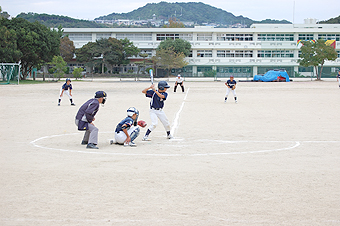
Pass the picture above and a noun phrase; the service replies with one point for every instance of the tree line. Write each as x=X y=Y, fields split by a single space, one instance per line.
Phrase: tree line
x=35 y=45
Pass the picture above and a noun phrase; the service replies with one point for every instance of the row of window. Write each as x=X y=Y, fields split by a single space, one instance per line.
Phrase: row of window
x=203 y=37
x=242 y=53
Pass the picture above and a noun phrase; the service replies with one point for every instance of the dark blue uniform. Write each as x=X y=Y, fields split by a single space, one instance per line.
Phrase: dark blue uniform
x=124 y=124
x=156 y=102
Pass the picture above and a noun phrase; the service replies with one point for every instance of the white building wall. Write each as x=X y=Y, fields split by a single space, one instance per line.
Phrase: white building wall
x=215 y=45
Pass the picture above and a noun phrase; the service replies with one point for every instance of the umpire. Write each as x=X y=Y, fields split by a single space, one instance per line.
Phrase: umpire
x=85 y=117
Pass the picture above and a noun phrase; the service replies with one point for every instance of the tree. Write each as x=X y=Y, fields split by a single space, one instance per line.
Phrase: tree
x=9 y=52
x=3 y=14
x=77 y=72
x=110 y=50
x=129 y=50
x=315 y=54
x=103 y=51
x=174 y=23
x=87 y=54
x=178 y=45
x=67 y=49
x=169 y=59
x=60 y=66
x=37 y=43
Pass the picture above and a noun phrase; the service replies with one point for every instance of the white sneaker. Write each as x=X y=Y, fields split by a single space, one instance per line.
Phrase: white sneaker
x=146 y=138
x=169 y=136
x=235 y=101
x=131 y=144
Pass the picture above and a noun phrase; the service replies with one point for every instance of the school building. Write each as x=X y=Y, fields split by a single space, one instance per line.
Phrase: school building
x=242 y=52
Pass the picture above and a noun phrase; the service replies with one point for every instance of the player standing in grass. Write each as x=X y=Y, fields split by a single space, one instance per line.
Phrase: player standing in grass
x=231 y=84
x=156 y=108
x=66 y=88
x=179 y=81
x=85 y=117
x=338 y=78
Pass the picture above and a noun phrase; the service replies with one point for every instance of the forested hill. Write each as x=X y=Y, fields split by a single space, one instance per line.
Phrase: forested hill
x=335 y=20
x=55 y=21
x=197 y=12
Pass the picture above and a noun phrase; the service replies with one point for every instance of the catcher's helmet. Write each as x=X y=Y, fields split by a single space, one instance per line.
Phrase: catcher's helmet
x=163 y=84
x=131 y=111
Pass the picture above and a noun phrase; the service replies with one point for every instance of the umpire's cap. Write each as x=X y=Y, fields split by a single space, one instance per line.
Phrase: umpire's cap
x=100 y=94
x=163 y=84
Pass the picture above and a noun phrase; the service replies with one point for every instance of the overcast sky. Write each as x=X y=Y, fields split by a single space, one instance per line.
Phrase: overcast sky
x=253 y=9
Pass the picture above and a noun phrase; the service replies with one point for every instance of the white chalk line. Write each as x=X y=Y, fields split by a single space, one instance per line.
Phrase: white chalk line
x=176 y=120
x=295 y=145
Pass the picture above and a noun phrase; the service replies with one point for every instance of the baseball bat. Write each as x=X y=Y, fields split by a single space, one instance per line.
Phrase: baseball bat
x=151 y=75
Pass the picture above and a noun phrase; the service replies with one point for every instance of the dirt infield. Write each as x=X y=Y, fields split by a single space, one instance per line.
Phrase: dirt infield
x=271 y=159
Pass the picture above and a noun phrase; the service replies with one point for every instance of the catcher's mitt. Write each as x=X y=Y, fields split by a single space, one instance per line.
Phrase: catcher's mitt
x=142 y=123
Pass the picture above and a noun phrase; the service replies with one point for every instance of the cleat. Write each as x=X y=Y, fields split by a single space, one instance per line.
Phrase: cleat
x=146 y=138
x=58 y=104
x=169 y=136
x=73 y=104
x=111 y=142
x=131 y=144
x=84 y=142
x=235 y=101
x=92 y=146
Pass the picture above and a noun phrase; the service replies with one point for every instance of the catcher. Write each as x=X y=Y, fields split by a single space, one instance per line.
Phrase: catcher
x=127 y=130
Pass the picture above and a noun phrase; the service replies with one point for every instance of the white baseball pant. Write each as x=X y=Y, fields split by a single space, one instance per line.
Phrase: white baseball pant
x=228 y=90
x=121 y=136
x=154 y=114
x=67 y=93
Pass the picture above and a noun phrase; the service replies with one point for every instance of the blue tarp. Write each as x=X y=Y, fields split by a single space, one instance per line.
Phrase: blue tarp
x=272 y=75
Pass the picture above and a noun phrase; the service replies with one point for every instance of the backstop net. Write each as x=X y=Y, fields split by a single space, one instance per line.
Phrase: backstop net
x=9 y=73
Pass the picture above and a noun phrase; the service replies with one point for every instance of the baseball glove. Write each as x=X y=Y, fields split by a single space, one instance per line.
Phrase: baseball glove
x=142 y=123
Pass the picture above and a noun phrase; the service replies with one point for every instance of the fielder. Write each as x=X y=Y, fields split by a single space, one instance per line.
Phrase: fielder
x=85 y=117
x=179 y=81
x=231 y=84
x=127 y=130
x=156 y=108
x=66 y=88
x=338 y=78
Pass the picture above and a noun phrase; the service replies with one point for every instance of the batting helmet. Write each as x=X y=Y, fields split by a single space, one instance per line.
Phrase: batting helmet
x=68 y=79
x=163 y=84
x=131 y=111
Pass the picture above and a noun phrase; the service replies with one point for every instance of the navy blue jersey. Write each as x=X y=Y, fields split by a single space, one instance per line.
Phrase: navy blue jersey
x=231 y=83
x=124 y=124
x=66 y=87
x=156 y=101
x=338 y=75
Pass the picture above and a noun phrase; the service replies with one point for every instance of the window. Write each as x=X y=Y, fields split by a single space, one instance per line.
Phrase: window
x=234 y=37
x=306 y=37
x=204 y=37
x=103 y=35
x=135 y=37
x=234 y=53
x=275 y=37
x=329 y=37
x=86 y=37
x=275 y=54
x=161 y=37
x=204 y=53
x=338 y=54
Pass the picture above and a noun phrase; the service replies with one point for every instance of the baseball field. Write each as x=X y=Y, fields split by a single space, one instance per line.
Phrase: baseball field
x=271 y=159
